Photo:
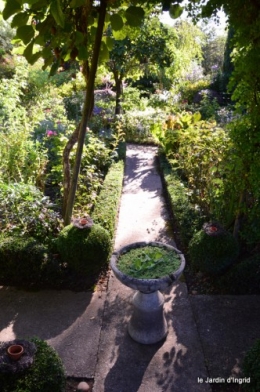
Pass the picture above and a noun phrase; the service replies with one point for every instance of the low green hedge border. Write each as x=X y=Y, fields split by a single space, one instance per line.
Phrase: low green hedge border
x=24 y=261
x=46 y=374
x=187 y=219
x=107 y=203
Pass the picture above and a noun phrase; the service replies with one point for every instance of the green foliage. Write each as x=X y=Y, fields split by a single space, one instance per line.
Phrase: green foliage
x=7 y=67
x=187 y=219
x=149 y=262
x=21 y=158
x=46 y=374
x=137 y=125
x=96 y=159
x=105 y=213
x=196 y=149
x=242 y=181
x=251 y=368
x=25 y=211
x=85 y=251
x=212 y=254
x=242 y=278
x=23 y=261
x=208 y=107
x=188 y=89
x=61 y=26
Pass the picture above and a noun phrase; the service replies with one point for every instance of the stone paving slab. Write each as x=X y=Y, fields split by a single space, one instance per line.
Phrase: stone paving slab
x=228 y=326
x=70 y=322
x=168 y=366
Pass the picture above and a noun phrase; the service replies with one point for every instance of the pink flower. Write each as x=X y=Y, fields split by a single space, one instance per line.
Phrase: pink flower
x=50 y=133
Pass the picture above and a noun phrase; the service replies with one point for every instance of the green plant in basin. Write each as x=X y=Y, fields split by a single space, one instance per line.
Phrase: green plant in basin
x=149 y=262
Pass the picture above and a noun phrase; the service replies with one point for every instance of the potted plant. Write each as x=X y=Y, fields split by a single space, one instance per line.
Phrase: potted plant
x=149 y=268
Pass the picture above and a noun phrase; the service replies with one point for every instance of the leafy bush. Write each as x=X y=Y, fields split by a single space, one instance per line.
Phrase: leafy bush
x=23 y=261
x=187 y=218
x=96 y=160
x=137 y=125
x=84 y=250
x=251 y=368
x=107 y=202
x=24 y=210
x=46 y=374
x=197 y=150
x=212 y=253
x=242 y=278
x=189 y=89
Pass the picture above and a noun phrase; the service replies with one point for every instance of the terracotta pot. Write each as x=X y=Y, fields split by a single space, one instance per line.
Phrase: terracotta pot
x=83 y=221
x=15 y=351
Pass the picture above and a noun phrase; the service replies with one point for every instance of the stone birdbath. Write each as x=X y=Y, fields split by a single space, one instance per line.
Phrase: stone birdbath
x=148 y=324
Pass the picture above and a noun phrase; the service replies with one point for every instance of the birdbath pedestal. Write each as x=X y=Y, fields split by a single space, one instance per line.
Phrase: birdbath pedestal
x=147 y=324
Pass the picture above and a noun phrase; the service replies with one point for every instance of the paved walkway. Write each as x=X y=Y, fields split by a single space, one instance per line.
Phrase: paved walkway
x=208 y=335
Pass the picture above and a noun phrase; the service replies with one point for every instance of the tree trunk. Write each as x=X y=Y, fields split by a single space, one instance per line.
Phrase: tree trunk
x=66 y=167
x=119 y=92
x=88 y=104
x=239 y=215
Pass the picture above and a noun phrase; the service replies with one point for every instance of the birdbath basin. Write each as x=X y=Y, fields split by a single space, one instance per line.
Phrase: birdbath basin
x=148 y=324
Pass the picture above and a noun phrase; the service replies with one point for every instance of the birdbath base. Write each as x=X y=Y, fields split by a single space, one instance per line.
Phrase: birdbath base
x=148 y=324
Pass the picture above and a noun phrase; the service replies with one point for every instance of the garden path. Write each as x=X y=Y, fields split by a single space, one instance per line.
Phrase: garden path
x=124 y=365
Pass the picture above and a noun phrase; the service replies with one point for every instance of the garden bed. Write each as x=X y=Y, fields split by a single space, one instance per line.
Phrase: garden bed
x=241 y=278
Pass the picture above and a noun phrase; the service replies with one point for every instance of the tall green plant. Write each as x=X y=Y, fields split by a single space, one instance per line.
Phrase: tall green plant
x=21 y=158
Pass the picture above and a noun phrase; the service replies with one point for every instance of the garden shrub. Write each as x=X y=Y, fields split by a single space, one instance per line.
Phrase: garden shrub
x=84 y=250
x=23 y=261
x=25 y=211
x=46 y=374
x=137 y=125
x=251 y=368
x=107 y=202
x=242 y=278
x=188 y=219
x=212 y=253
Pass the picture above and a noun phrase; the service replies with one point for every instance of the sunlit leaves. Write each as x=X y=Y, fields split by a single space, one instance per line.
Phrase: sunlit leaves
x=104 y=53
x=120 y=34
x=109 y=42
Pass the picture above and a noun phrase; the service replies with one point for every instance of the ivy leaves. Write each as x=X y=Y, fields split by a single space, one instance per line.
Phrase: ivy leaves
x=60 y=30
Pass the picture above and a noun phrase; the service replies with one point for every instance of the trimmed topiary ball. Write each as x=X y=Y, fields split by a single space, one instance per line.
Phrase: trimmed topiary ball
x=212 y=249
x=251 y=368
x=22 y=260
x=46 y=374
x=84 y=250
